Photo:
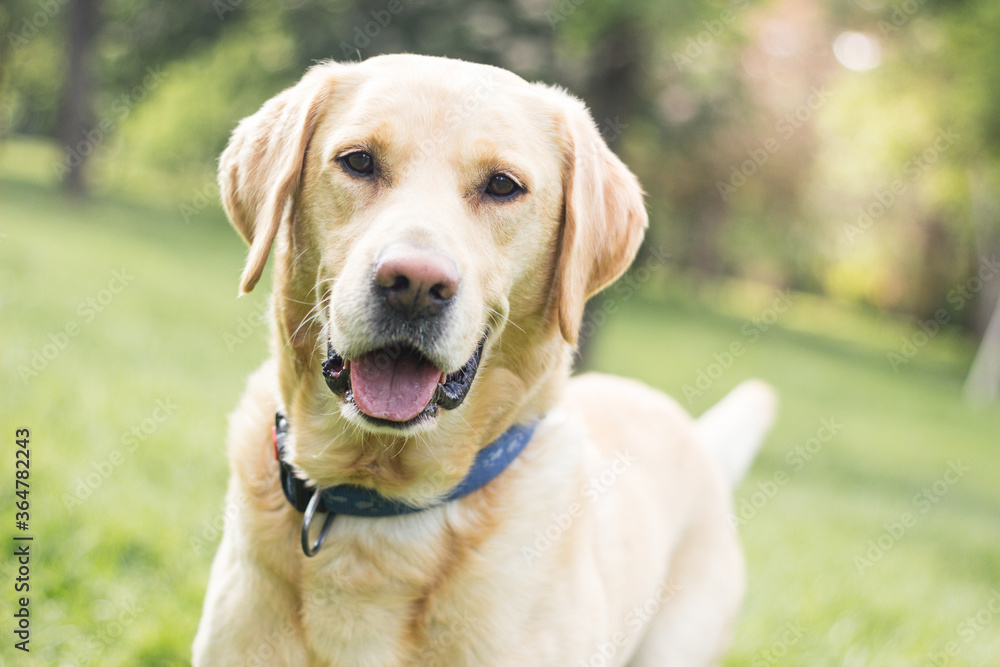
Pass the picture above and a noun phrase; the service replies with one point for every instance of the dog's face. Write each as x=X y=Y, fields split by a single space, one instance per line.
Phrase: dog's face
x=438 y=227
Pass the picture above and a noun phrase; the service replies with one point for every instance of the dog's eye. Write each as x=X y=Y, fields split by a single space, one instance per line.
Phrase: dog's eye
x=360 y=162
x=502 y=185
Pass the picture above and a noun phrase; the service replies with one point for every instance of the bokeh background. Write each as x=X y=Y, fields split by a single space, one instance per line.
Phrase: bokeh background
x=822 y=182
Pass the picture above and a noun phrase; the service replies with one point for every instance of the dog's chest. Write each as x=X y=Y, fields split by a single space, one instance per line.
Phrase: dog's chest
x=387 y=599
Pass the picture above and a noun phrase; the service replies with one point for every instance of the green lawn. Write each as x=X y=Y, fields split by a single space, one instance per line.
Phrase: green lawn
x=140 y=351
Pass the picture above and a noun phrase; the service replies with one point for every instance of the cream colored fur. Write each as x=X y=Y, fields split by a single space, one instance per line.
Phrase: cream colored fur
x=606 y=542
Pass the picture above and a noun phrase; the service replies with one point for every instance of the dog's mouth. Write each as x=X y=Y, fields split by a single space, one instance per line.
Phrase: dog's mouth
x=397 y=385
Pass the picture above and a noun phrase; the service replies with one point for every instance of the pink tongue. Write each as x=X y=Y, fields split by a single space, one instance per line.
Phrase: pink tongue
x=394 y=389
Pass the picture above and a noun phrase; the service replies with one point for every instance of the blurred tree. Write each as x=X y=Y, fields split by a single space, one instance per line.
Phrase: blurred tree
x=112 y=52
x=616 y=68
x=76 y=114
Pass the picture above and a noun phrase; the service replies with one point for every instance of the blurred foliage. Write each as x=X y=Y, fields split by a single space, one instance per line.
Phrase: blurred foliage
x=764 y=154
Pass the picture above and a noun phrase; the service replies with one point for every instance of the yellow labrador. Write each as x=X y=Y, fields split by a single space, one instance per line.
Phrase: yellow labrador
x=436 y=490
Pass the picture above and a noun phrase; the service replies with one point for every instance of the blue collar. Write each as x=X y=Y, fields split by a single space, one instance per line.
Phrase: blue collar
x=362 y=501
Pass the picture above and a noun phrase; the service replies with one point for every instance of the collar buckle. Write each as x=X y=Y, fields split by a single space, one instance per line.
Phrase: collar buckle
x=308 y=549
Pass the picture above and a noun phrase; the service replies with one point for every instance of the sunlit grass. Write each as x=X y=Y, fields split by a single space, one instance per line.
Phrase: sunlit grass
x=127 y=415
x=128 y=467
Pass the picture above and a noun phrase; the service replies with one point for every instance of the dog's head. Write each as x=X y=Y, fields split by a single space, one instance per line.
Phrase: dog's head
x=437 y=227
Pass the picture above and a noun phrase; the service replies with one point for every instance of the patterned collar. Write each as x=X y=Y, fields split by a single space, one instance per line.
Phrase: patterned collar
x=362 y=501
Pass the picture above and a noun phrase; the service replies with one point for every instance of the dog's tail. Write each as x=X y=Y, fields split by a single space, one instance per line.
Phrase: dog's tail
x=734 y=428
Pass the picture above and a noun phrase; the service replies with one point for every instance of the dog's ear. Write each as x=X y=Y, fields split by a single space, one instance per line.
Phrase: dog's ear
x=262 y=166
x=604 y=217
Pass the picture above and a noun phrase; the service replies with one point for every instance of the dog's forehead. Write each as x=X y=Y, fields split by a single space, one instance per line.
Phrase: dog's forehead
x=417 y=99
x=412 y=71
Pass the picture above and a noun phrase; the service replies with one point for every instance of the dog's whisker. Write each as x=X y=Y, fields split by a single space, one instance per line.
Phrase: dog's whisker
x=304 y=303
x=311 y=316
x=397 y=453
x=471 y=428
x=505 y=318
x=308 y=319
x=356 y=430
x=427 y=445
x=328 y=445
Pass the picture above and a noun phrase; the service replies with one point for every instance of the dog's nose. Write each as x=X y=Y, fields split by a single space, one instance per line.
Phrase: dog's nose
x=415 y=281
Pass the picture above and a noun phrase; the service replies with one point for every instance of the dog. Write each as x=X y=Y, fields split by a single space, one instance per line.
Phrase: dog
x=416 y=480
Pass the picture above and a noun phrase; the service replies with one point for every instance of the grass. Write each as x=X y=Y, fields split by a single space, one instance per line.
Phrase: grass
x=128 y=467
